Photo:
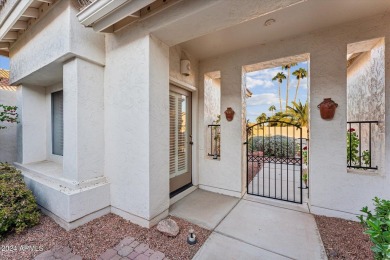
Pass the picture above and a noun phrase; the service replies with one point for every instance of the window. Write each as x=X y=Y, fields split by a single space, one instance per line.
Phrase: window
x=57 y=120
x=212 y=113
x=366 y=104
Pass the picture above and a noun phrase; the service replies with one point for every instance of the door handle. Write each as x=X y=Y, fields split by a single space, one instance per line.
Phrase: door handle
x=191 y=143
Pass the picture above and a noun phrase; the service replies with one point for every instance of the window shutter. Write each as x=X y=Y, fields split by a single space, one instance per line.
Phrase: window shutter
x=178 y=135
x=172 y=134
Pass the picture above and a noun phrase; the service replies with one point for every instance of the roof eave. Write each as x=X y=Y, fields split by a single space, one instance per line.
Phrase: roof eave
x=102 y=14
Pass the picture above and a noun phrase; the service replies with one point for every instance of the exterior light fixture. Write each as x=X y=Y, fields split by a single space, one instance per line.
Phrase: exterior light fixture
x=185 y=67
x=191 y=237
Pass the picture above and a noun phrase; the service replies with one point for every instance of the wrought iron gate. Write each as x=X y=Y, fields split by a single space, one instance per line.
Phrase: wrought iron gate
x=274 y=160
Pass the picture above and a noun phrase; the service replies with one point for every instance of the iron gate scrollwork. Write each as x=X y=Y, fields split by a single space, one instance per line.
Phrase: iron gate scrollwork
x=274 y=160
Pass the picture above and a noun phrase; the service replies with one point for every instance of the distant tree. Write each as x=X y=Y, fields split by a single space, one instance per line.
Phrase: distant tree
x=248 y=128
x=298 y=114
x=272 y=109
x=8 y=114
x=280 y=77
x=261 y=118
x=288 y=68
x=300 y=73
x=277 y=119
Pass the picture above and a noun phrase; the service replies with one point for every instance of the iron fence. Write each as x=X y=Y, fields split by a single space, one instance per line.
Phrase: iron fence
x=360 y=144
x=274 y=161
x=215 y=141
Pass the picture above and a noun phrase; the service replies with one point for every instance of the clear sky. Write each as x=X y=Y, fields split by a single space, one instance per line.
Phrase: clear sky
x=265 y=91
x=4 y=63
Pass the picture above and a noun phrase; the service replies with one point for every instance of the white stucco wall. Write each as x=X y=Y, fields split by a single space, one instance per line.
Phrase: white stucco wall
x=58 y=52
x=57 y=36
x=8 y=146
x=333 y=191
x=224 y=175
x=32 y=133
x=83 y=86
x=136 y=126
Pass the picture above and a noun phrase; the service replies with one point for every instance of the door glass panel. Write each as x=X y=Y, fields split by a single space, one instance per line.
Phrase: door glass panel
x=178 y=134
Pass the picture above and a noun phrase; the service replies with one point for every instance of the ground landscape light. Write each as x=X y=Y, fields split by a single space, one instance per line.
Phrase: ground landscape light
x=269 y=22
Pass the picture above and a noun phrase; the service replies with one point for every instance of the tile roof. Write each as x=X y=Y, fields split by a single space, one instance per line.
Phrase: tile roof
x=4 y=81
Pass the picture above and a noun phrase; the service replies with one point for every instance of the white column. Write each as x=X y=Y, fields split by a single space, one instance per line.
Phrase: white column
x=159 y=127
x=231 y=132
x=137 y=137
x=83 y=120
x=31 y=131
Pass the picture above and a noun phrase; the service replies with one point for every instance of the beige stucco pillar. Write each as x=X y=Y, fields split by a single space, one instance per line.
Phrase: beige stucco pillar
x=31 y=132
x=137 y=137
x=83 y=157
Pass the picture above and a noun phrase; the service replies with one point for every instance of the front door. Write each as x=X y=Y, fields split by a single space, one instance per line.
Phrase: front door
x=179 y=138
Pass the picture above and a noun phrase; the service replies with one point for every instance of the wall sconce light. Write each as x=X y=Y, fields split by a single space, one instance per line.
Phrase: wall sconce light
x=185 y=67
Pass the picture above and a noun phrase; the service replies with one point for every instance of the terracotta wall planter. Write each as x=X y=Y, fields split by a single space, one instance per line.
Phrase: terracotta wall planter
x=327 y=108
x=229 y=113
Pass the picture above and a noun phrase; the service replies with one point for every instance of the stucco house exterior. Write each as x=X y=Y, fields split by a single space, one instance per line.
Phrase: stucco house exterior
x=115 y=98
x=7 y=135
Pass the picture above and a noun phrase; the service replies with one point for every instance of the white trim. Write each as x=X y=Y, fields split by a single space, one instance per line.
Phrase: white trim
x=97 y=10
x=120 y=13
x=182 y=84
x=104 y=13
x=13 y=17
x=231 y=193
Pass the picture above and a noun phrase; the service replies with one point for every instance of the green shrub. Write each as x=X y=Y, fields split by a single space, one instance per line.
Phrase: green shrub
x=277 y=146
x=18 y=208
x=378 y=227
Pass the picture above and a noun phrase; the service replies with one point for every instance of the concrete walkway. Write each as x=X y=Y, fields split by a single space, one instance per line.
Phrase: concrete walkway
x=251 y=229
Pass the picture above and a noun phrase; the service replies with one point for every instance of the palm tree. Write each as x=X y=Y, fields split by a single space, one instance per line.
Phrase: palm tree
x=288 y=67
x=300 y=73
x=277 y=119
x=298 y=114
x=280 y=77
x=272 y=109
x=261 y=118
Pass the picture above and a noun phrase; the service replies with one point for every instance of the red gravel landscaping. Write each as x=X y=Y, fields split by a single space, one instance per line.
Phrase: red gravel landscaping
x=95 y=237
x=344 y=239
